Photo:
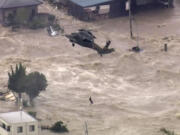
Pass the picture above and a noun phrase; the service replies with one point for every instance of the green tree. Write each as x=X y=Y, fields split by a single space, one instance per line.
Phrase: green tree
x=17 y=79
x=59 y=127
x=35 y=83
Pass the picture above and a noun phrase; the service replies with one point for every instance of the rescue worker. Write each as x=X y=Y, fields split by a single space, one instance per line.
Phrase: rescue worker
x=90 y=100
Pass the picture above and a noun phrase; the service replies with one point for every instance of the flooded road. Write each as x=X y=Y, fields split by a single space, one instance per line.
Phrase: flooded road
x=133 y=93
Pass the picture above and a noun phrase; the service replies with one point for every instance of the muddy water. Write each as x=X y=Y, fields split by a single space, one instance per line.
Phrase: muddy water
x=133 y=93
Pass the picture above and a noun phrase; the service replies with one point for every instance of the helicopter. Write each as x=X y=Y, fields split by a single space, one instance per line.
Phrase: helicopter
x=85 y=38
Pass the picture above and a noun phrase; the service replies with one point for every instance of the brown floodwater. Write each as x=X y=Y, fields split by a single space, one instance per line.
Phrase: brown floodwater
x=133 y=93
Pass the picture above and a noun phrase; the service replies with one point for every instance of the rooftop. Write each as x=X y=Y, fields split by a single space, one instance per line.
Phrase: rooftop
x=18 y=3
x=90 y=3
x=16 y=117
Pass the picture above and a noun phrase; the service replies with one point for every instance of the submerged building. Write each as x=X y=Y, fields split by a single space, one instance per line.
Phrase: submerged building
x=20 y=10
x=18 y=123
x=88 y=9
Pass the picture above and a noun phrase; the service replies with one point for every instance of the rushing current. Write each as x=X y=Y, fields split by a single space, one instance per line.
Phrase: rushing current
x=133 y=93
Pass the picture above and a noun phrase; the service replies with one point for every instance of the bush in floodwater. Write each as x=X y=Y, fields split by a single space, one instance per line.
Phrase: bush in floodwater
x=37 y=22
x=57 y=27
x=25 y=103
x=59 y=127
x=33 y=114
x=51 y=18
x=167 y=132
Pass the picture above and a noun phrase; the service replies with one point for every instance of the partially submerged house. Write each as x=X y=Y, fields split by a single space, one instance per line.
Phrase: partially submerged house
x=89 y=9
x=18 y=123
x=20 y=10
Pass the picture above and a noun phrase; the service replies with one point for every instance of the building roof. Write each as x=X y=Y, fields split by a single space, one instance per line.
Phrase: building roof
x=16 y=117
x=18 y=3
x=90 y=3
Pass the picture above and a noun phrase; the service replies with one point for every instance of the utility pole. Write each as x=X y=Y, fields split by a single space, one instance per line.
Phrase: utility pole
x=130 y=19
x=86 y=128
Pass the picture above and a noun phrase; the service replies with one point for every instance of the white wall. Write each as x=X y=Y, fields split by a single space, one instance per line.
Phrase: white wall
x=3 y=131
x=25 y=129
x=36 y=128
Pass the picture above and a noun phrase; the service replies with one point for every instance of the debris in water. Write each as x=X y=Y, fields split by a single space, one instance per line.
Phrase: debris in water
x=135 y=49
x=165 y=47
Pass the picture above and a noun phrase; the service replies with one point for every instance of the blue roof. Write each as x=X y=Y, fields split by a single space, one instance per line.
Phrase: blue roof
x=89 y=3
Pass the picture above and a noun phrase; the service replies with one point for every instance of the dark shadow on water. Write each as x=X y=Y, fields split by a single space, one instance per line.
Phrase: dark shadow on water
x=151 y=7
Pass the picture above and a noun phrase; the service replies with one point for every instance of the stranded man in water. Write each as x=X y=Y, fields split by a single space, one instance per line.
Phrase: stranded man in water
x=90 y=100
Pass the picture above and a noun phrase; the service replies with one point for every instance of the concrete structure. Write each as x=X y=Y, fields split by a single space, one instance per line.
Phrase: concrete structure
x=18 y=123
x=87 y=9
x=20 y=10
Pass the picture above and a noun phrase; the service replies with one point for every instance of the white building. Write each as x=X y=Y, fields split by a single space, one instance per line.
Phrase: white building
x=18 y=123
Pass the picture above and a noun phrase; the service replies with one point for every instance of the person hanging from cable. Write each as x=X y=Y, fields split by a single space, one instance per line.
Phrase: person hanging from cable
x=90 y=100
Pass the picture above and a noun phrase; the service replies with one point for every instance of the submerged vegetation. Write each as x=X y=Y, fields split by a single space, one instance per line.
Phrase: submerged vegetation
x=37 y=22
x=31 y=84
x=33 y=114
x=59 y=127
x=167 y=132
x=17 y=78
